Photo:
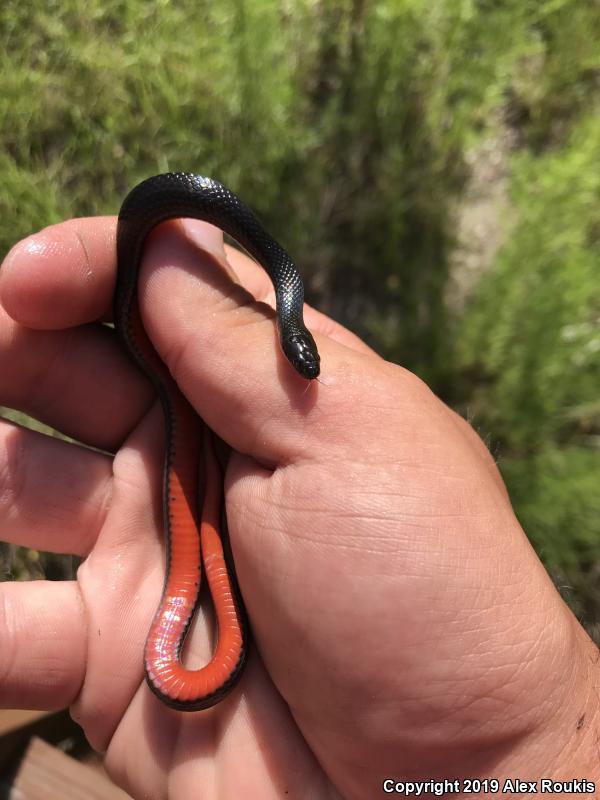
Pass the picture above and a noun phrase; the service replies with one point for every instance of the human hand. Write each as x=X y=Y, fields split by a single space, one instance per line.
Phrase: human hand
x=404 y=628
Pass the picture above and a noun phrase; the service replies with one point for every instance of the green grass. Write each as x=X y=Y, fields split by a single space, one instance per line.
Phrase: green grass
x=348 y=127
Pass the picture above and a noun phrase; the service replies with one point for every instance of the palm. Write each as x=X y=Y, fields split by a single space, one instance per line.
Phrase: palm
x=120 y=583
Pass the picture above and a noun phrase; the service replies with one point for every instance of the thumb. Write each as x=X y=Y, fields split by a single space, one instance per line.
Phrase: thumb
x=222 y=348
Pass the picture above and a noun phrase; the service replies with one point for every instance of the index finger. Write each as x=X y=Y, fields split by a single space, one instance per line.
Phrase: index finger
x=64 y=276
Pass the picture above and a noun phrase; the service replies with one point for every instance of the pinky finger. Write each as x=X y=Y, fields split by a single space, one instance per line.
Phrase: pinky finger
x=43 y=634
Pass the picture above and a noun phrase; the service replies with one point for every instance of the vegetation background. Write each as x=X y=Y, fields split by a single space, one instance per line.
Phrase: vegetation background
x=432 y=166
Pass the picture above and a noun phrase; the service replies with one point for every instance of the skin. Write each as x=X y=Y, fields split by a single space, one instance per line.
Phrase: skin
x=403 y=626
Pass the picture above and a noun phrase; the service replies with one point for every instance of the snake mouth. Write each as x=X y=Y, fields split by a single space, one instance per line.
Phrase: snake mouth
x=311 y=371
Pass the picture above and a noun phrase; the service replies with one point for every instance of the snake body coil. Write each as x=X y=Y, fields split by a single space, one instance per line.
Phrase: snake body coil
x=182 y=194
x=193 y=538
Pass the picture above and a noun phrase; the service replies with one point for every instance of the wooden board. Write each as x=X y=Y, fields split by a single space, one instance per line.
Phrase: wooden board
x=46 y=773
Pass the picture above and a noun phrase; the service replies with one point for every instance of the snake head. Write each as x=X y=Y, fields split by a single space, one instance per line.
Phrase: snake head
x=301 y=351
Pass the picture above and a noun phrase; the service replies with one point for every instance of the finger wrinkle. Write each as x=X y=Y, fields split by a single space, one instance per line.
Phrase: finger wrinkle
x=12 y=471
x=97 y=521
x=87 y=271
x=9 y=627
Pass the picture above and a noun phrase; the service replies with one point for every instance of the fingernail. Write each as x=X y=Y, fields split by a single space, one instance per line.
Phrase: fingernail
x=205 y=236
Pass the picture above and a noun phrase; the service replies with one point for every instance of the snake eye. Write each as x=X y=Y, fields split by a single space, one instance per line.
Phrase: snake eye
x=301 y=351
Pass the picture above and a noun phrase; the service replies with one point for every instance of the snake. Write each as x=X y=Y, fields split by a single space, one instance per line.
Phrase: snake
x=193 y=519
